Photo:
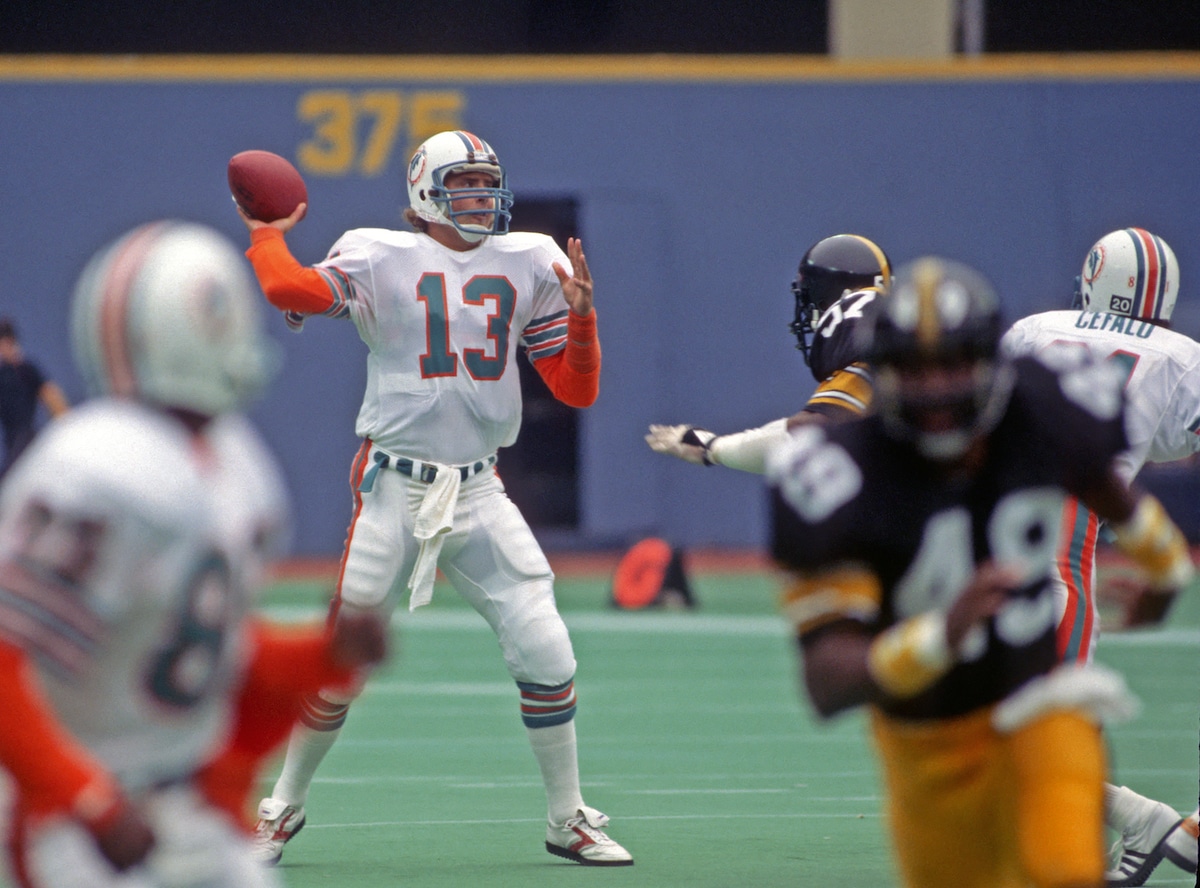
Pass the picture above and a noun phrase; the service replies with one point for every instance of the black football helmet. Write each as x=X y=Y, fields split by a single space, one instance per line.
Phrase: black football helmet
x=933 y=343
x=831 y=267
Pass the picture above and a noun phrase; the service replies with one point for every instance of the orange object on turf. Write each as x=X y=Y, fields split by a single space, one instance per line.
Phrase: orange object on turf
x=640 y=573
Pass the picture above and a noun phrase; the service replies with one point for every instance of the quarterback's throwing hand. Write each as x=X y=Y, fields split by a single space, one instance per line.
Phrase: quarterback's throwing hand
x=286 y=224
x=682 y=441
x=577 y=286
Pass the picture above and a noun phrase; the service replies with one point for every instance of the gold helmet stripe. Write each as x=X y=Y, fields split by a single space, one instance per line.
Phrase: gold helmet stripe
x=927 y=276
x=879 y=257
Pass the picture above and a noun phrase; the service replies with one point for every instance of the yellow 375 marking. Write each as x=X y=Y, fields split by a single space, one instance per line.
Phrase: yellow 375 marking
x=357 y=132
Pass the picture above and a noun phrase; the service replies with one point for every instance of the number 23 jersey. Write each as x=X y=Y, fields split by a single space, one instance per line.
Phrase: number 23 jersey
x=850 y=503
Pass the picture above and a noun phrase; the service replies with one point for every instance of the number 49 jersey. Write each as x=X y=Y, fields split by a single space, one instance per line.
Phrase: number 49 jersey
x=130 y=552
x=890 y=535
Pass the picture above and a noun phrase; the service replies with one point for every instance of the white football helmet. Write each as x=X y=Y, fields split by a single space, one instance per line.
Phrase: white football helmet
x=457 y=151
x=1130 y=272
x=170 y=314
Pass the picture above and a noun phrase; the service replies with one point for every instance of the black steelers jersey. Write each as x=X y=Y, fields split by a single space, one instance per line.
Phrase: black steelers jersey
x=844 y=383
x=834 y=343
x=848 y=495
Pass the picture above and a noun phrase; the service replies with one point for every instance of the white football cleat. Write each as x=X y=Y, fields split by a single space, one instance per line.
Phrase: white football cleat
x=278 y=822
x=583 y=840
x=1182 y=843
x=1138 y=852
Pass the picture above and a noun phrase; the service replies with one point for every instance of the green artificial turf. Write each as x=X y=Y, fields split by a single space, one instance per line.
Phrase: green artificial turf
x=692 y=737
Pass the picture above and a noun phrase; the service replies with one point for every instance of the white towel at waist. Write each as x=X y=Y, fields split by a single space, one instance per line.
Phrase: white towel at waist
x=435 y=518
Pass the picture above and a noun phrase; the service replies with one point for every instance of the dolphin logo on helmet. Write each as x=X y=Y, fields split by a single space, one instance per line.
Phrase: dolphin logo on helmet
x=1130 y=272
x=458 y=151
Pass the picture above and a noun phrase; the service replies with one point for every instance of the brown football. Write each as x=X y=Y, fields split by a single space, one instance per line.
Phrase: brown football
x=266 y=186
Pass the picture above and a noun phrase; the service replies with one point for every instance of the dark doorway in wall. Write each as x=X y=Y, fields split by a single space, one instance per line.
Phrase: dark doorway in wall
x=541 y=471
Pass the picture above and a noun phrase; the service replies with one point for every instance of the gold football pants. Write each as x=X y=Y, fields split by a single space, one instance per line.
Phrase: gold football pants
x=970 y=807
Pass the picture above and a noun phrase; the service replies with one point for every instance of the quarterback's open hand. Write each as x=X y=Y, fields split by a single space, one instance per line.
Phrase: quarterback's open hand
x=577 y=286
x=682 y=441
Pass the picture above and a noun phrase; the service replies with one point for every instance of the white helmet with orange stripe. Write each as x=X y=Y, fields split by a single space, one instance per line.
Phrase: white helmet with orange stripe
x=170 y=314
x=458 y=151
x=1130 y=272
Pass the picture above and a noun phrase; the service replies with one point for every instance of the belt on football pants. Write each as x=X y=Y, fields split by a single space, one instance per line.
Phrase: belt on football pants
x=417 y=470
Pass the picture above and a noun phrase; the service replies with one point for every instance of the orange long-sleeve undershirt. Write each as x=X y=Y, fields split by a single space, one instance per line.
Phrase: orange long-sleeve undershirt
x=288 y=285
x=287 y=663
x=52 y=771
x=572 y=375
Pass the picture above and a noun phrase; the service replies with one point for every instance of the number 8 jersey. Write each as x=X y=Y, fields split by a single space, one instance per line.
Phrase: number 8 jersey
x=892 y=535
x=130 y=552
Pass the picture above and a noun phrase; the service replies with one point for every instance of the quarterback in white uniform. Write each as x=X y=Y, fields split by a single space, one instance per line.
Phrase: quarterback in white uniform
x=442 y=310
x=1126 y=294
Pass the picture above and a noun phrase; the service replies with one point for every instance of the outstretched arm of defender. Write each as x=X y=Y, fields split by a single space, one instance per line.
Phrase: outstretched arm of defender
x=745 y=451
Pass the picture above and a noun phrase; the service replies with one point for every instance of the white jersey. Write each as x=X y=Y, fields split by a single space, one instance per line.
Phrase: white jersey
x=130 y=552
x=443 y=327
x=1163 y=377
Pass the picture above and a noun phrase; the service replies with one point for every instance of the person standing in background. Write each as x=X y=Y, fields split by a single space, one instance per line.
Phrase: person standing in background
x=22 y=387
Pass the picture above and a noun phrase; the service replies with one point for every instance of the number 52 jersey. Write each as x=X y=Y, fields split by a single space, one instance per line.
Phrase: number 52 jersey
x=891 y=535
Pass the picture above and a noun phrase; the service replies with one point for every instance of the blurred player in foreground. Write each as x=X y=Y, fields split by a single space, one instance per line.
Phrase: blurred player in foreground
x=442 y=310
x=922 y=540
x=838 y=278
x=1125 y=298
x=134 y=534
x=23 y=386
